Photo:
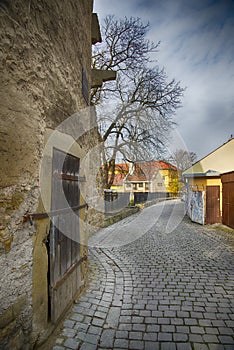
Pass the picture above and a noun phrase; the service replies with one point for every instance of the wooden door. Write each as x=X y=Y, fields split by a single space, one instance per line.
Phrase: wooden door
x=212 y=204
x=228 y=199
x=64 y=246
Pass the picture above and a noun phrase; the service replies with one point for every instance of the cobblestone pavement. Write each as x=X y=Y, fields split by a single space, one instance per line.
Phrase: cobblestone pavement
x=166 y=291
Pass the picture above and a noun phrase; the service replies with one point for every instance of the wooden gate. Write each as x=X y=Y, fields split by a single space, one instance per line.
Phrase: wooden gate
x=64 y=246
x=228 y=199
x=212 y=204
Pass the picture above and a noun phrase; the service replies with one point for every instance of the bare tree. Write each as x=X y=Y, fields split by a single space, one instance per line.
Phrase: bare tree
x=135 y=112
x=124 y=48
x=183 y=159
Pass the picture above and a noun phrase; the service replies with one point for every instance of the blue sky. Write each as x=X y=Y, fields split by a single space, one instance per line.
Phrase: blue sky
x=197 y=48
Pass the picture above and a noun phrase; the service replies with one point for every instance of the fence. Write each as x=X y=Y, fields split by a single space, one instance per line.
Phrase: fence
x=115 y=201
x=141 y=197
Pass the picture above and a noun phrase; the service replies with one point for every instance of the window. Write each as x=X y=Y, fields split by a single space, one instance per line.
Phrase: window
x=159 y=184
x=140 y=185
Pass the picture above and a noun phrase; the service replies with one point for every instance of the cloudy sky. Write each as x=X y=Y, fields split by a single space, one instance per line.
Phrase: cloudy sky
x=197 y=49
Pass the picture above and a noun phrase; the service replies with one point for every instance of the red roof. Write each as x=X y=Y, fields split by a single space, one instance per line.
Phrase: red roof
x=123 y=167
x=157 y=165
x=144 y=171
x=118 y=179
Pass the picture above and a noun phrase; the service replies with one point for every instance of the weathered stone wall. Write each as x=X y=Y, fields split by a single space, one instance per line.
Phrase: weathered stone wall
x=44 y=47
x=92 y=189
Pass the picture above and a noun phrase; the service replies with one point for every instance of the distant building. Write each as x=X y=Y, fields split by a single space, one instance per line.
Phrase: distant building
x=152 y=176
x=121 y=171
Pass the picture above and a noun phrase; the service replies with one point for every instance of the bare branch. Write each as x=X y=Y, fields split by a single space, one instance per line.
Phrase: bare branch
x=136 y=111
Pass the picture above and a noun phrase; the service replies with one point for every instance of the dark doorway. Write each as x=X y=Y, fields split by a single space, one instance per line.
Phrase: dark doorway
x=228 y=199
x=212 y=204
x=64 y=238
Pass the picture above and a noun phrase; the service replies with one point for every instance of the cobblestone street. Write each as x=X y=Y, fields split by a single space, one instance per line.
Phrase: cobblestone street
x=171 y=288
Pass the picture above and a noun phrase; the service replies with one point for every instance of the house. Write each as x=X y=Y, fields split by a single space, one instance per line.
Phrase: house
x=47 y=131
x=152 y=176
x=204 y=184
x=121 y=171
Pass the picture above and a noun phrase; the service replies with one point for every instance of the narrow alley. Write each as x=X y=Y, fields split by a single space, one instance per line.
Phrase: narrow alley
x=169 y=287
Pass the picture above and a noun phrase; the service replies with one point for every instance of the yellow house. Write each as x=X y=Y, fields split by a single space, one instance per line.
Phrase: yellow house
x=152 y=176
x=205 y=177
x=165 y=179
x=121 y=171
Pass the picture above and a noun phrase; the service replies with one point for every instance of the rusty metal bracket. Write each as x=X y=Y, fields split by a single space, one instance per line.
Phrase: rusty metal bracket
x=39 y=216
x=68 y=272
x=68 y=177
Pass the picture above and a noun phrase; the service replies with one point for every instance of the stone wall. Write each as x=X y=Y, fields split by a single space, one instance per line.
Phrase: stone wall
x=45 y=46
